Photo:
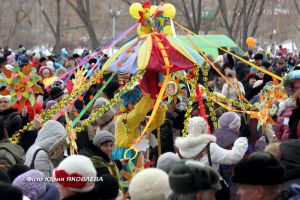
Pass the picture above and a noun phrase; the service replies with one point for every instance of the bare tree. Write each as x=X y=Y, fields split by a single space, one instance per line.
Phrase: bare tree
x=231 y=22
x=248 y=12
x=82 y=8
x=191 y=12
x=55 y=31
x=19 y=15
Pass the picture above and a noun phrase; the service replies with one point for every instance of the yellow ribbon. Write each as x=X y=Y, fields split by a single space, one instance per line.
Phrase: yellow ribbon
x=236 y=56
x=161 y=92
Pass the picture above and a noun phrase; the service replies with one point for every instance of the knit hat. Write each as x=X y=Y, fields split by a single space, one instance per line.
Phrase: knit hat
x=50 y=103
x=16 y=170
x=102 y=137
x=131 y=96
x=148 y=184
x=33 y=189
x=260 y=168
x=79 y=169
x=196 y=140
x=99 y=102
x=166 y=161
x=108 y=187
x=230 y=120
x=191 y=176
x=8 y=192
x=43 y=69
x=7 y=97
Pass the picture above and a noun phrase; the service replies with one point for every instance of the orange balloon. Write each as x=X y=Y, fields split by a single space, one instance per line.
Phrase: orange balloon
x=251 y=42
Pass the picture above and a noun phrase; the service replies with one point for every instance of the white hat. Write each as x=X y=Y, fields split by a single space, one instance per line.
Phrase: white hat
x=196 y=140
x=149 y=184
x=79 y=169
x=166 y=161
x=8 y=97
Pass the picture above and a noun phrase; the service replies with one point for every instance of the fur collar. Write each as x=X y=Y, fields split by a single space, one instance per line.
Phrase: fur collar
x=190 y=141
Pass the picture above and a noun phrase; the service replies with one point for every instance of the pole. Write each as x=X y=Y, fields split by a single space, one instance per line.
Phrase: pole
x=114 y=24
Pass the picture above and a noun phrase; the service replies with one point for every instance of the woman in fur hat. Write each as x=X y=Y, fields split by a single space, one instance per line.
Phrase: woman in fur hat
x=195 y=146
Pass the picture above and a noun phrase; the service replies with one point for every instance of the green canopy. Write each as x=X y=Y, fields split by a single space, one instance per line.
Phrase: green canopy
x=219 y=40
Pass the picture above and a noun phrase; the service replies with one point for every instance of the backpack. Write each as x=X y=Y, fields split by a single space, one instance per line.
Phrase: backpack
x=7 y=158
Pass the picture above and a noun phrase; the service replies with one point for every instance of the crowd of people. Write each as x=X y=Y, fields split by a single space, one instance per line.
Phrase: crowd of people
x=236 y=160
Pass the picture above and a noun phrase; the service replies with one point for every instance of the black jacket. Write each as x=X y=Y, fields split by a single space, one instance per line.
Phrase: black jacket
x=293 y=123
x=12 y=120
x=91 y=150
x=92 y=195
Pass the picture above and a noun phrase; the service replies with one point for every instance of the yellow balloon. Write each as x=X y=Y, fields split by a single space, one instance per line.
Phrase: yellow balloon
x=153 y=9
x=169 y=10
x=168 y=30
x=134 y=10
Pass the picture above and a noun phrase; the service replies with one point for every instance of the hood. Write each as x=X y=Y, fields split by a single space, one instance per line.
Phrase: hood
x=226 y=137
x=52 y=133
x=190 y=146
x=290 y=154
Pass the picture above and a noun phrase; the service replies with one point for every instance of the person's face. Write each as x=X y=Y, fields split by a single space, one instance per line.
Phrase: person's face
x=248 y=192
x=4 y=104
x=259 y=62
x=260 y=74
x=107 y=148
x=220 y=79
x=296 y=84
x=131 y=106
x=46 y=73
x=280 y=64
x=252 y=81
x=209 y=195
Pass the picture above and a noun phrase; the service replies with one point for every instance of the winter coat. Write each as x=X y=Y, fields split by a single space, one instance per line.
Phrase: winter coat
x=281 y=127
x=242 y=69
x=218 y=154
x=294 y=124
x=102 y=163
x=51 y=193
x=230 y=93
x=10 y=154
x=226 y=137
x=12 y=120
x=27 y=139
x=50 y=138
x=133 y=120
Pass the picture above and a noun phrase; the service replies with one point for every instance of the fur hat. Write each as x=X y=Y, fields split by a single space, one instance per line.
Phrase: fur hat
x=260 y=168
x=79 y=169
x=191 y=176
x=148 y=184
x=100 y=102
x=196 y=140
x=230 y=120
x=166 y=161
x=102 y=137
x=33 y=189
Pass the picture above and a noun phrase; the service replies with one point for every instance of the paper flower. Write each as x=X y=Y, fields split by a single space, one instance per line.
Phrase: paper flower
x=21 y=85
